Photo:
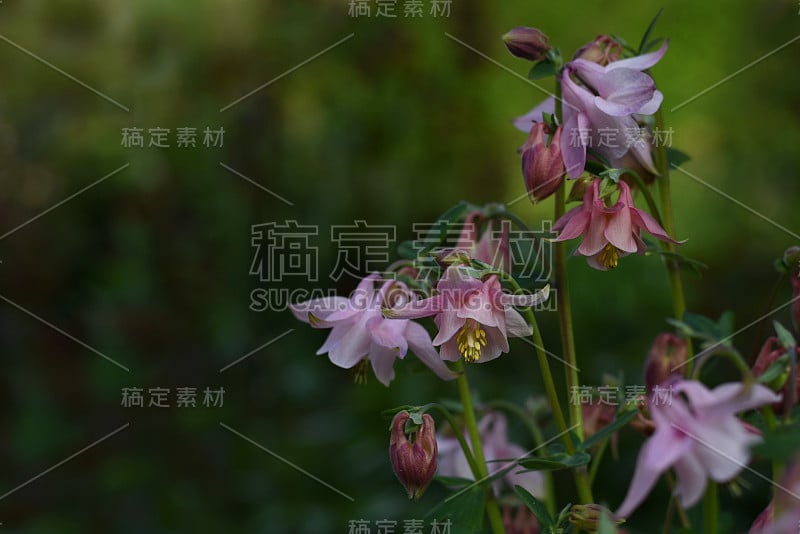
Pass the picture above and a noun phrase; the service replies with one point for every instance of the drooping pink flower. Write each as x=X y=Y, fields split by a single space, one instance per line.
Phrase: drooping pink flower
x=475 y=317
x=493 y=429
x=360 y=334
x=608 y=233
x=697 y=434
x=604 y=103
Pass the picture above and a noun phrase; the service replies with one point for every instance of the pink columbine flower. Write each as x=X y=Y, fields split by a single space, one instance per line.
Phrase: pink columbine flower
x=360 y=334
x=475 y=317
x=494 y=438
x=606 y=101
x=699 y=435
x=608 y=233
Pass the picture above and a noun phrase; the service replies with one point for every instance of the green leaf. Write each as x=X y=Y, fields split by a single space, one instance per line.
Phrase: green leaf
x=774 y=371
x=454 y=482
x=784 y=336
x=653 y=44
x=780 y=444
x=622 y=419
x=537 y=507
x=407 y=251
x=648 y=31
x=556 y=461
x=701 y=327
x=542 y=69
x=607 y=525
x=464 y=509
x=676 y=157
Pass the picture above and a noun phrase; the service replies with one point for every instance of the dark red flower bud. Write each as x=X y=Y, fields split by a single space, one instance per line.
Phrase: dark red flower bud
x=413 y=456
x=603 y=50
x=542 y=165
x=665 y=359
x=527 y=43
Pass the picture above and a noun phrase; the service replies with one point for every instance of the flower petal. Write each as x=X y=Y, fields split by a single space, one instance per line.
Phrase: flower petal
x=526 y=300
x=643 y=62
x=524 y=123
x=624 y=91
x=416 y=309
x=420 y=343
x=691 y=480
x=382 y=359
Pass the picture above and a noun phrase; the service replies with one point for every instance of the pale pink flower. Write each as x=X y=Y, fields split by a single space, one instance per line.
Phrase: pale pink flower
x=697 y=434
x=360 y=334
x=475 y=317
x=608 y=233
x=493 y=429
x=607 y=100
x=490 y=247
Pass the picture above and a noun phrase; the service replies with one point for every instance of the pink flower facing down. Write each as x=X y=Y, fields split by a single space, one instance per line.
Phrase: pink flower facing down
x=475 y=318
x=699 y=435
x=494 y=438
x=606 y=101
x=360 y=334
x=608 y=233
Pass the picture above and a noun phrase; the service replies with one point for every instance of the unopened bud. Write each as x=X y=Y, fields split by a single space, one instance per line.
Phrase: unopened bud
x=413 y=456
x=665 y=359
x=603 y=50
x=587 y=517
x=527 y=43
x=770 y=353
x=542 y=165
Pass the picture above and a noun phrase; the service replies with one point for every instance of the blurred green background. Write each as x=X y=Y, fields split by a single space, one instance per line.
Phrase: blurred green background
x=151 y=266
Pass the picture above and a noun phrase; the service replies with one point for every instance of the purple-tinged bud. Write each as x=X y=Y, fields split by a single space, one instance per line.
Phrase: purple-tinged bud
x=542 y=165
x=587 y=517
x=665 y=359
x=413 y=457
x=603 y=50
x=527 y=43
x=770 y=352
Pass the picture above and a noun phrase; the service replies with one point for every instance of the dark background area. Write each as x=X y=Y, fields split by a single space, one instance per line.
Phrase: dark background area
x=150 y=267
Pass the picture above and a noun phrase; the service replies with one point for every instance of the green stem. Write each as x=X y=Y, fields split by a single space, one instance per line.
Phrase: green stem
x=772 y=423
x=711 y=509
x=492 y=510
x=597 y=458
x=567 y=333
x=673 y=267
x=674 y=498
x=538 y=439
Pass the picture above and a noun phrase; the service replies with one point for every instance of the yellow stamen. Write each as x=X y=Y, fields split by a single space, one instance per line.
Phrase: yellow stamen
x=609 y=257
x=471 y=339
x=361 y=371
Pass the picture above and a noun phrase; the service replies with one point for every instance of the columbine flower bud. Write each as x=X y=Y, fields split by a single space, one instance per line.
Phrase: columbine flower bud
x=542 y=165
x=587 y=516
x=603 y=50
x=413 y=456
x=770 y=352
x=527 y=43
x=667 y=352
